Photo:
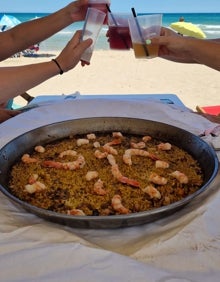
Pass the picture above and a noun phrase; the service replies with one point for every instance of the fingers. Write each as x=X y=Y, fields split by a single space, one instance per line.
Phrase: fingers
x=71 y=54
x=160 y=40
x=80 y=46
x=167 y=32
x=81 y=3
x=6 y=114
x=79 y=10
x=13 y=113
x=76 y=38
x=77 y=43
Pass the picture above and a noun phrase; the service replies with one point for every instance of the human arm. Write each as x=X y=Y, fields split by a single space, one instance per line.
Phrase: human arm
x=17 y=80
x=6 y=114
x=187 y=49
x=29 y=33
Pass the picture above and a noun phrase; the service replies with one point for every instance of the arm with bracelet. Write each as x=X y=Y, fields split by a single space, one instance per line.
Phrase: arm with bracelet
x=23 y=78
x=17 y=80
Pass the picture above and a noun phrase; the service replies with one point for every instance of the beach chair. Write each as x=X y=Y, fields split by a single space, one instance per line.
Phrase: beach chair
x=212 y=113
x=31 y=51
x=211 y=110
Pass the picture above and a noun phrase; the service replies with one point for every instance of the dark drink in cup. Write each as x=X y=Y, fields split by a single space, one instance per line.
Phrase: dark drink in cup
x=118 y=32
x=119 y=38
x=100 y=5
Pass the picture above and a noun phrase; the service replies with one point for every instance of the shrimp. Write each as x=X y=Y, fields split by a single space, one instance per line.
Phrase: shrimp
x=33 y=178
x=136 y=152
x=79 y=163
x=96 y=144
x=98 y=188
x=147 y=138
x=81 y=142
x=157 y=179
x=161 y=164
x=68 y=153
x=110 y=150
x=26 y=158
x=117 y=205
x=91 y=175
x=125 y=180
x=91 y=136
x=140 y=145
x=53 y=164
x=35 y=187
x=127 y=157
x=164 y=146
x=152 y=192
x=180 y=176
x=117 y=135
x=115 y=141
x=100 y=155
x=111 y=159
x=75 y=212
x=39 y=149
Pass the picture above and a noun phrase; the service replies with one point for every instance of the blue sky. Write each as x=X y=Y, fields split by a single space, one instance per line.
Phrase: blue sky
x=151 y=6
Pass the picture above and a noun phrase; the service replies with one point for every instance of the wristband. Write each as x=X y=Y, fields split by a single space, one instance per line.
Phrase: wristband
x=55 y=61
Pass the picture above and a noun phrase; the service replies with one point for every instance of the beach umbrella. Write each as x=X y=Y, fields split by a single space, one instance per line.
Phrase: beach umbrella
x=189 y=29
x=8 y=21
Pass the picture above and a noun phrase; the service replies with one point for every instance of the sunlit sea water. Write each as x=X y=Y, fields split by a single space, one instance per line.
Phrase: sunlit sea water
x=208 y=22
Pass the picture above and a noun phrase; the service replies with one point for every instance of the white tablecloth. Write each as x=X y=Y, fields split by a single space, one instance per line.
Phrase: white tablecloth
x=182 y=247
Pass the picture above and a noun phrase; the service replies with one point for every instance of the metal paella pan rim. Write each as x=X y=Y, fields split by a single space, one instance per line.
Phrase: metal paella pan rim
x=189 y=142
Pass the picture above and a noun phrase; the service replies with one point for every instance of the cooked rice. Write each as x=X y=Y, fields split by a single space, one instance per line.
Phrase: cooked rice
x=67 y=190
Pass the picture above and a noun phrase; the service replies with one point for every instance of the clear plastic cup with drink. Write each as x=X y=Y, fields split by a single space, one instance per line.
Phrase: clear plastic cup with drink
x=101 y=5
x=142 y=29
x=92 y=27
x=118 y=31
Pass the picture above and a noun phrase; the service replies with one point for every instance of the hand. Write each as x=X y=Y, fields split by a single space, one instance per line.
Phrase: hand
x=211 y=118
x=78 y=10
x=172 y=46
x=71 y=54
x=6 y=114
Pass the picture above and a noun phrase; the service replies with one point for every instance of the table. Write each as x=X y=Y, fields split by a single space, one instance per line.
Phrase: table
x=183 y=247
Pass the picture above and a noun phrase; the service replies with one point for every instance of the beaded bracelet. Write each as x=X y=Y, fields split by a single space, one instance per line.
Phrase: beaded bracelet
x=55 y=61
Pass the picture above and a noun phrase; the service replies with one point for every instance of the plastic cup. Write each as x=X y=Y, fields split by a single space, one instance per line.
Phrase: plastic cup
x=143 y=28
x=118 y=31
x=92 y=26
x=101 y=5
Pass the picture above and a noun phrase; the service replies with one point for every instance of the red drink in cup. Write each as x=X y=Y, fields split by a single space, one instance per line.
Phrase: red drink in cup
x=119 y=38
x=118 y=33
x=100 y=5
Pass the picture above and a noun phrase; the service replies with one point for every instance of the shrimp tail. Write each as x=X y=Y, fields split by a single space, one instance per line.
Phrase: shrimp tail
x=129 y=181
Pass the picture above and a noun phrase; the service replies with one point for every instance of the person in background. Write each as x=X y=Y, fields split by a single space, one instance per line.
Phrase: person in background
x=185 y=49
x=17 y=80
x=181 y=19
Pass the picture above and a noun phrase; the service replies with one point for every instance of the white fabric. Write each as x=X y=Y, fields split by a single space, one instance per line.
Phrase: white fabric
x=182 y=247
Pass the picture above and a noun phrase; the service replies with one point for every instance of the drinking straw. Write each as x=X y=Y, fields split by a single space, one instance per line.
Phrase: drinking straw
x=139 y=31
x=113 y=18
x=115 y=22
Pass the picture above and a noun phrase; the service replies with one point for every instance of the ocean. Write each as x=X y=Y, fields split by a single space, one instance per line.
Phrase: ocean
x=208 y=22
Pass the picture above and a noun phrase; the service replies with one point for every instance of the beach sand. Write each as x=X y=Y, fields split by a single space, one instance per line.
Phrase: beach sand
x=118 y=72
